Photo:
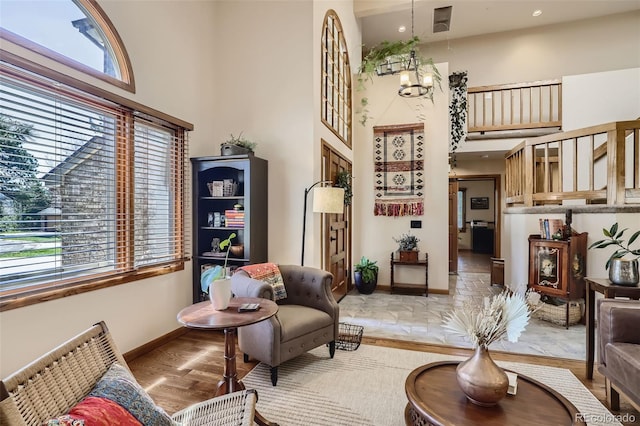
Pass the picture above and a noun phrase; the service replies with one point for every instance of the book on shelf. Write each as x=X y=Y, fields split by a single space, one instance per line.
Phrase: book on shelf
x=234 y=218
x=551 y=227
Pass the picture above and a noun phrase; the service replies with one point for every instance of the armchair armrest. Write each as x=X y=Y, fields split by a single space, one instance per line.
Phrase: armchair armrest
x=309 y=286
x=236 y=408
x=242 y=285
x=617 y=323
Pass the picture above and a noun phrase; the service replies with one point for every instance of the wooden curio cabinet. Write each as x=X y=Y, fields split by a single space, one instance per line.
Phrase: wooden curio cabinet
x=557 y=267
x=229 y=196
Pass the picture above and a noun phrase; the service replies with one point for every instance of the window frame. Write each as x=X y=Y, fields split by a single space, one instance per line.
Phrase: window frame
x=463 y=208
x=344 y=108
x=26 y=70
x=92 y=9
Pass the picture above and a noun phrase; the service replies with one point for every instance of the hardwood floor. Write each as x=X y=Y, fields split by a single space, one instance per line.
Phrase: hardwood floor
x=186 y=369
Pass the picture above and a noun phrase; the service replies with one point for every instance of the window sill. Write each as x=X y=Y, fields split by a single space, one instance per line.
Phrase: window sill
x=15 y=300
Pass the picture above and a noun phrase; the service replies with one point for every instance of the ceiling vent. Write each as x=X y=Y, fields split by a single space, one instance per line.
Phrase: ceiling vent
x=442 y=19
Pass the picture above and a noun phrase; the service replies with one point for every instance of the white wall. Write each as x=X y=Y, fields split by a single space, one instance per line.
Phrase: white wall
x=264 y=86
x=374 y=234
x=548 y=52
x=479 y=188
x=602 y=97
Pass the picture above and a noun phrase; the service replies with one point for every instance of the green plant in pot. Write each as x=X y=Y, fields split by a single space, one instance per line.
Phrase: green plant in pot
x=365 y=275
x=237 y=146
x=407 y=247
x=623 y=263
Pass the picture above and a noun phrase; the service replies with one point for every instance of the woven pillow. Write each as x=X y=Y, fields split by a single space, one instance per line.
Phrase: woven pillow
x=117 y=399
x=269 y=273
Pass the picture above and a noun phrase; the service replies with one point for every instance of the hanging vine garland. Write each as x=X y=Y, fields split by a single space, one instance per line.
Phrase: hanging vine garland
x=343 y=180
x=457 y=109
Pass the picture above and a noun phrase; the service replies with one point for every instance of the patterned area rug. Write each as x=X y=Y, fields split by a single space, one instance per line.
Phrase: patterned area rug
x=366 y=387
x=399 y=170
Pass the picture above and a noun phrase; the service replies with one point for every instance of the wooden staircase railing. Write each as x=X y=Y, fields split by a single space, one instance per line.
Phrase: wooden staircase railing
x=519 y=106
x=598 y=164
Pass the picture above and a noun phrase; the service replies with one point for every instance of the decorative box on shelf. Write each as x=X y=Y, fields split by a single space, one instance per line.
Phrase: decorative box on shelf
x=408 y=255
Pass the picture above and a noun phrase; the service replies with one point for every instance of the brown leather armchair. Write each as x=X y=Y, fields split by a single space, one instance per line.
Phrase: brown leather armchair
x=306 y=319
x=619 y=349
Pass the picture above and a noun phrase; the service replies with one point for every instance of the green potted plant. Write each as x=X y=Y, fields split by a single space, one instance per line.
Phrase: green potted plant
x=365 y=275
x=407 y=247
x=237 y=146
x=216 y=280
x=623 y=263
x=343 y=180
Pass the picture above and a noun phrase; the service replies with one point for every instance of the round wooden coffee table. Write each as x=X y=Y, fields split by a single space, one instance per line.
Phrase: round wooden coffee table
x=436 y=399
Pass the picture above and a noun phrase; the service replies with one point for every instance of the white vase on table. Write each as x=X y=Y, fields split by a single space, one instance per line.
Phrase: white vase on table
x=220 y=294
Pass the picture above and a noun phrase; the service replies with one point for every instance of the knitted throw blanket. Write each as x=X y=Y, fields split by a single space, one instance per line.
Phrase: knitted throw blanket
x=269 y=273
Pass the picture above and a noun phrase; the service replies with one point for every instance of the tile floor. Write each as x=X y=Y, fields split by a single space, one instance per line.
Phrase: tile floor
x=419 y=318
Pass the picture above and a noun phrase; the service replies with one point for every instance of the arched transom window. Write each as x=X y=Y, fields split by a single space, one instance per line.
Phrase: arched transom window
x=336 y=79
x=76 y=33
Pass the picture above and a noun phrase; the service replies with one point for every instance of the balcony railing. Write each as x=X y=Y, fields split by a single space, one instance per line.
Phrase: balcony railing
x=519 y=106
x=599 y=164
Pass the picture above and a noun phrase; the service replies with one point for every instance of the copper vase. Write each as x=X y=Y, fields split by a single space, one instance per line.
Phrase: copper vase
x=481 y=380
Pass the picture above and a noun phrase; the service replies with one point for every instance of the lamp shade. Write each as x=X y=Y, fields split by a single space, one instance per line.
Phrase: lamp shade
x=328 y=200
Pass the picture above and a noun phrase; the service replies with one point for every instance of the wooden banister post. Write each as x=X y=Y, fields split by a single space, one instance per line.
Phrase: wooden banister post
x=615 y=166
x=529 y=174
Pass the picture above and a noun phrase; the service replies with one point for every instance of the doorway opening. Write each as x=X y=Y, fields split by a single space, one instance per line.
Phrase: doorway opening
x=475 y=224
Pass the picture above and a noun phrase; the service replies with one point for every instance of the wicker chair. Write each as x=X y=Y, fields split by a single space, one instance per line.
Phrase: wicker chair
x=58 y=380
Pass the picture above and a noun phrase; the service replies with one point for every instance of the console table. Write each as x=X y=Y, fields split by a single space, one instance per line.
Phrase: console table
x=410 y=288
x=609 y=291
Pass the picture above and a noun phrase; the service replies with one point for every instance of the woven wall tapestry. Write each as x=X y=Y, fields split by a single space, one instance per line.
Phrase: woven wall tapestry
x=398 y=156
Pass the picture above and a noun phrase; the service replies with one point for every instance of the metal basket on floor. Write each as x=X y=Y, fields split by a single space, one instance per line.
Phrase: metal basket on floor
x=349 y=336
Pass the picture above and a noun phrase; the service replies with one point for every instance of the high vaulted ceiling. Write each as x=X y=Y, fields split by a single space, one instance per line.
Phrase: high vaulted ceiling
x=380 y=19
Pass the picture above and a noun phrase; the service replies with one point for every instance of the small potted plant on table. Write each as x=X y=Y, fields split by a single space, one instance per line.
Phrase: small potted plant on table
x=407 y=247
x=623 y=263
x=216 y=280
x=365 y=276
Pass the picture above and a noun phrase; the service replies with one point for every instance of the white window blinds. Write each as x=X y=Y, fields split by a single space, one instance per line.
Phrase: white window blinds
x=87 y=188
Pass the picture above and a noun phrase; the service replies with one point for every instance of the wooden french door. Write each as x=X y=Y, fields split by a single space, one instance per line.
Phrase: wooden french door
x=336 y=229
x=453 y=226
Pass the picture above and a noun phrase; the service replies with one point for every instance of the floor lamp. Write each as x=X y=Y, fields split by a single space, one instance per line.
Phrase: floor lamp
x=326 y=199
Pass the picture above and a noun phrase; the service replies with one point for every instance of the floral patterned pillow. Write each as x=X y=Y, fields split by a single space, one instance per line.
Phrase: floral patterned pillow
x=117 y=399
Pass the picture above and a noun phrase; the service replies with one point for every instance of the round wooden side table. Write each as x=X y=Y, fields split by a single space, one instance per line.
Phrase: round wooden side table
x=203 y=316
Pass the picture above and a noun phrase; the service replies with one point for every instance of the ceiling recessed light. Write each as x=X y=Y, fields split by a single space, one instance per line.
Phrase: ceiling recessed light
x=537 y=12
x=402 y=29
